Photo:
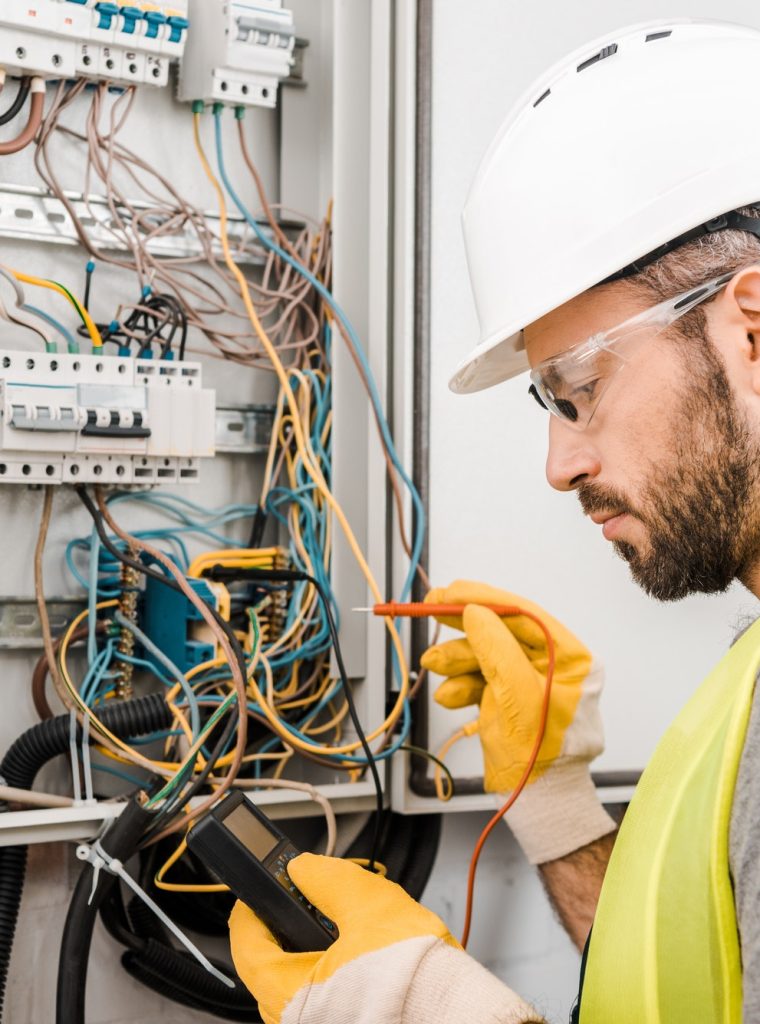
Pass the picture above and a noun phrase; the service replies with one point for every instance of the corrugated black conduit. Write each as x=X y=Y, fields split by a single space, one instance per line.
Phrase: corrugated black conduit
x=28 y=754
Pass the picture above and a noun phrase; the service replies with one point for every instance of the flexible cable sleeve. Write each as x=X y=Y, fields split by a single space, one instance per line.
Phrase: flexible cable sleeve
x=44 y=741
x=32 y=125
x=20 y=99
x=176 y=976
x=19 y=767
x=120 y=841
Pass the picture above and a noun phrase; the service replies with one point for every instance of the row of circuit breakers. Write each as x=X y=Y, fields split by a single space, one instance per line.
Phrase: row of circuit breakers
x=229 y=51
x=68 y=419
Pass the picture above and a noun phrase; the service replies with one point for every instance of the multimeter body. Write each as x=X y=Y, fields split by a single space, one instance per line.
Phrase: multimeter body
x=247 y=852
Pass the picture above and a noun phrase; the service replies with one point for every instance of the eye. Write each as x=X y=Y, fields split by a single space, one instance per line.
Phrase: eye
x=587 y=390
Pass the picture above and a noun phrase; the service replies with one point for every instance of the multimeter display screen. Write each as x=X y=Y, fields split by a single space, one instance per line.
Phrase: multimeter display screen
x=251 y=833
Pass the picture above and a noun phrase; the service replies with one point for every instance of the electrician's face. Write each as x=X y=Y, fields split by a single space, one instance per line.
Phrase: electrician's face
x=670 y=464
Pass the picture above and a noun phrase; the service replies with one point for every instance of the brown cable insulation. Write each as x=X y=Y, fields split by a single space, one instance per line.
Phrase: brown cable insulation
x=41 y=669
x=39 y=593
x=32 y=127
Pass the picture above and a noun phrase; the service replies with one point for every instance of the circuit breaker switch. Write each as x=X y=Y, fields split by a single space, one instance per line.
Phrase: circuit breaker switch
x=179 y=26
x=130 y=18
x=71 y=418
x=155 y=21
x=107 y=12
x=238 y=52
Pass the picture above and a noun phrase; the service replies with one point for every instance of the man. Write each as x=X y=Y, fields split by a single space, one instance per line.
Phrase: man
x=614 y=250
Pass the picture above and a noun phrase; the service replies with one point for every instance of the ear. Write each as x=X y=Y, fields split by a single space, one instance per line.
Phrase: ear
x=738 y=326
x=743 y=298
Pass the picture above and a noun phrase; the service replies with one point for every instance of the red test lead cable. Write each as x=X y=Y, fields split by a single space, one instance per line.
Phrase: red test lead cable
x=421 y=610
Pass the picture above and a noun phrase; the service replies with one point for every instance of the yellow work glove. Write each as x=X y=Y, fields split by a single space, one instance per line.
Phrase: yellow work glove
x=499 y=666
x=393 y=963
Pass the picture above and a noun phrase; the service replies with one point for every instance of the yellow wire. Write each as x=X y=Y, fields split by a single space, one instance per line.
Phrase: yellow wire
x=133 y=755
x=176 y=886
x=310 y=465
x=467 y=730
x=42 y=282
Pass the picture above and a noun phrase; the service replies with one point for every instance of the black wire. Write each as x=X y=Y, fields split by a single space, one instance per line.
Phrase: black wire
x=15 y=108
x=147 y=570
x=87 y=287
x=174 y=805
x=296 y=576
x=140 y=320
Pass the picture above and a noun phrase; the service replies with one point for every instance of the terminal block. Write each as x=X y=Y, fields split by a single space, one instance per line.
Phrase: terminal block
x=176 y=626
x=123 y=43
x=237 y=53
x=68 y=419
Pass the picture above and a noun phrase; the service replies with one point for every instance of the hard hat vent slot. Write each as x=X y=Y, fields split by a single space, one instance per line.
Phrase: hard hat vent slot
x=658 y=35
x=542 y=97
x=606 y=51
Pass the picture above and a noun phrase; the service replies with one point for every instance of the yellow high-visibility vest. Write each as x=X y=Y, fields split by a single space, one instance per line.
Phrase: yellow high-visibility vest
x=665 y=945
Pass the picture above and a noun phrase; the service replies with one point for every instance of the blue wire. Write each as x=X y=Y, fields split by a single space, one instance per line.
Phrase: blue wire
x=98 y=767
x=68 y=337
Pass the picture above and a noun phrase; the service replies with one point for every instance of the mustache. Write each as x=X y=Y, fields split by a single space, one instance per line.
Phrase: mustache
x=597 y=498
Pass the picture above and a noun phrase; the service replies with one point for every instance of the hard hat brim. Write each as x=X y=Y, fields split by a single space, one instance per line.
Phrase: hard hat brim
x=493 y=361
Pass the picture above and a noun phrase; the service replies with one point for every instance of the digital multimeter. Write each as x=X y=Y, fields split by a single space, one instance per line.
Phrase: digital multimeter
x=247 y=852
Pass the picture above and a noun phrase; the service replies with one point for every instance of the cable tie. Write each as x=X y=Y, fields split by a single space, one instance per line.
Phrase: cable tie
x=89 y=798
x=99 y=859
x=74 y=757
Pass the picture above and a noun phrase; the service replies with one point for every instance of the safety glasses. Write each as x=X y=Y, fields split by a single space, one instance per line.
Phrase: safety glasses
x=571 y=384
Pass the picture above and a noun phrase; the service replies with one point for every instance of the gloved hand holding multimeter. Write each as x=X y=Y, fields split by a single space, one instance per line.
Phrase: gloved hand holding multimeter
x=247 y=852
x=385 y=959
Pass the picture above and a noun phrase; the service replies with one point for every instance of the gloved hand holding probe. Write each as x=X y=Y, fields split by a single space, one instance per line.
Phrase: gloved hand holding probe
x=393 y=963
x=499 y=665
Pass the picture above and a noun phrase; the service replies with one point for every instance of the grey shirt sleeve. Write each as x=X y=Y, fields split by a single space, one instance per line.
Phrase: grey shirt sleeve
x=744 y=859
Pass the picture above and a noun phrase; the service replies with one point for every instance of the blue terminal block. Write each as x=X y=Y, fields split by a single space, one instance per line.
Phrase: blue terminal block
x=166 y=618
x=80 y=2
x=107 y=12
x=131 y=16
x=178 y=26
x=155 y=20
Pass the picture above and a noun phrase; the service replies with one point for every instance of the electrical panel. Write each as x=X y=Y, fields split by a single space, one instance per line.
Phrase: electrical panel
x=208 y=630
x=237 y=52
x=125 y=43
x=91 y=418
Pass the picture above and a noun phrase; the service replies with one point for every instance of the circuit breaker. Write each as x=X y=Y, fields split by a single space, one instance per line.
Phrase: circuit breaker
x=91 y=418
x=121 y=42
x=237 y=52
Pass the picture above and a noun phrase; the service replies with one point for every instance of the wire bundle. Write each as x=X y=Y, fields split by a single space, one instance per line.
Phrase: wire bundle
x=146 y=211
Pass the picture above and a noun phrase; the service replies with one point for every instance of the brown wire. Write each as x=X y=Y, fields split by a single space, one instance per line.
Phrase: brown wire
x=39 y=592
x=30 y=130
x=42 y=668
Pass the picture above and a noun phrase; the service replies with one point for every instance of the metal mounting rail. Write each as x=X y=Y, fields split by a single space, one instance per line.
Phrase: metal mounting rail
x=33 y=214
x=56 y=824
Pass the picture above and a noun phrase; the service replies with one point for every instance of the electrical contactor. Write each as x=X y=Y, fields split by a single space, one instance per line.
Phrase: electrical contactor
x=237 y=53
x=91 y=418
x=125 y=43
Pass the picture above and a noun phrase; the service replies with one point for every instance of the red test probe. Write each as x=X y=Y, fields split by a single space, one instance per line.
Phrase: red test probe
x=420 y=610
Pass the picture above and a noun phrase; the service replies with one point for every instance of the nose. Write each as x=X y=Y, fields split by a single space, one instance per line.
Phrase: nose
x=572 y=458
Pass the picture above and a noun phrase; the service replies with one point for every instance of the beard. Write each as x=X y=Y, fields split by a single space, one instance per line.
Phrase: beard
x=698 y=503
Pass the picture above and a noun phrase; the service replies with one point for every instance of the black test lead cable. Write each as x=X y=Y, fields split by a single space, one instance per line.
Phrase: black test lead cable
x=295 y=576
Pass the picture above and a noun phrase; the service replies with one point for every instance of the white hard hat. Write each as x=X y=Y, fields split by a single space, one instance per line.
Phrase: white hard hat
x=635 y=140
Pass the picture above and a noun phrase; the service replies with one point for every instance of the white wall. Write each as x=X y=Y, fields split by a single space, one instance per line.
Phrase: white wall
x=493 y=516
